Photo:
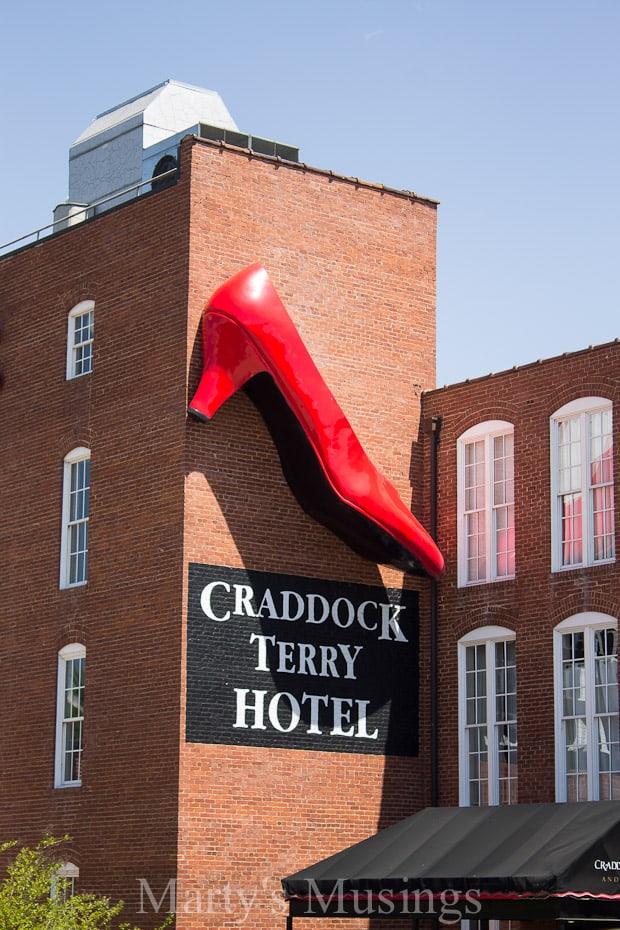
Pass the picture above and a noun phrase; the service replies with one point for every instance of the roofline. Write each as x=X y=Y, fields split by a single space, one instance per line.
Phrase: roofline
x=302 y=166
x=540 y=361
x=125 y=103
x=151 y=90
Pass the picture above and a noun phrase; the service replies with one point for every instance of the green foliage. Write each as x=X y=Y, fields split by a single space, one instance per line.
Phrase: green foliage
x=34 y=897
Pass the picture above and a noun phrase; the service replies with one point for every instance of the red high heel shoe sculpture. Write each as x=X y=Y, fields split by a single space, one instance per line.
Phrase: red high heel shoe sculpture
x=250 y=341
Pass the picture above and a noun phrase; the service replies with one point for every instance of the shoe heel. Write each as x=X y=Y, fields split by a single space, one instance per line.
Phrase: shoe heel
x=229 y=361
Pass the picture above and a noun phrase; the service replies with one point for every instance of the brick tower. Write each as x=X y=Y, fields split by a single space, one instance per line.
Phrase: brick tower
x=137 y=721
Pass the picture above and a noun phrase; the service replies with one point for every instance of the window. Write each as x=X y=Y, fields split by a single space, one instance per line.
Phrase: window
x=486 y=541
x=75 y=517
x=586 y=708
x=582 y=484
x=488 y=717
x=67 y=875
x=80 y=339
x=70 y=715
x=165 y=164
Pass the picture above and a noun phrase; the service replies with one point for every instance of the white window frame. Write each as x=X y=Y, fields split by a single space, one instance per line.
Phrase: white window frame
x=70 y=653
x=578 y=409
x=588 y=623
x=72 y=524
x=67 y=874
x=80 y=350
x=488 y=637
x=486 y=433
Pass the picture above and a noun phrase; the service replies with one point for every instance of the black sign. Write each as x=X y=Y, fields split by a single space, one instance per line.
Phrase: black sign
x=281 y=660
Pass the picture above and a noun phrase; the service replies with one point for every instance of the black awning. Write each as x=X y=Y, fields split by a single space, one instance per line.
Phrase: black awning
x=528 y=861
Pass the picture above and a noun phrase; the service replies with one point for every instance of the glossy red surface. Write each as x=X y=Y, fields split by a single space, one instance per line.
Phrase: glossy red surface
x=246 y=330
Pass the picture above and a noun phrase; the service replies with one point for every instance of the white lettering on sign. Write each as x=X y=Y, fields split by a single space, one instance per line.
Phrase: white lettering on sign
x=306 y=658
x=347 y=716
x=205 y=601
x=290 y=606
x=607 y=865
x=298 y=648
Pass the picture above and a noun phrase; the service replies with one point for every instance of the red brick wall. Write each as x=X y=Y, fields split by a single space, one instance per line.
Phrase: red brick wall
x=537 y=599
x=130 y=412
x=355 y=268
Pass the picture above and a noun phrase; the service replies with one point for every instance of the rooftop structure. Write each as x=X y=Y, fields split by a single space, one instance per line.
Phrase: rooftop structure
x=128 y=145
x=123 y=145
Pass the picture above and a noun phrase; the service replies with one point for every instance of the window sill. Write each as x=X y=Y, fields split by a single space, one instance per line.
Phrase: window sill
x=583 y=566
x=463 y=585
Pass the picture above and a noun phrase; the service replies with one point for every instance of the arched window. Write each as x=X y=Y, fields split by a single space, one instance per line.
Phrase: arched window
x=75 y=518
x=165 y=164
x=487 y=717
x=582 y=484
x=586 y=708
x=70 y=716
x=80 y=336
x=485 y=500
x=67 y=875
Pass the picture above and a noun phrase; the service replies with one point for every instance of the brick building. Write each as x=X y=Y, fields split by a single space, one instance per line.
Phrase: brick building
x=530 y=600
x=188 y=721
x=111 y=492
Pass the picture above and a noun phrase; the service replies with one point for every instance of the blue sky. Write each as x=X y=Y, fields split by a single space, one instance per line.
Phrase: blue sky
x=506 y=111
